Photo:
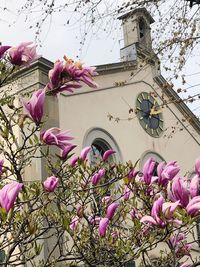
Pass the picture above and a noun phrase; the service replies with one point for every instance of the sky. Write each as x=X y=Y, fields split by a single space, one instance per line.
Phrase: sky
x=101 y=46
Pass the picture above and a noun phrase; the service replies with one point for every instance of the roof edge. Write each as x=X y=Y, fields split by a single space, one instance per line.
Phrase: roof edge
x=142 y=10
x=179 y=103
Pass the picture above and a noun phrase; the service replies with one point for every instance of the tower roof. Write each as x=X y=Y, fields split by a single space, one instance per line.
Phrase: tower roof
x=138 y=10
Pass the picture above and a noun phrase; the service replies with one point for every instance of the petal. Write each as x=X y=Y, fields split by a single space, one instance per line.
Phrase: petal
x=197 y=166
x=111 y=210
x=148 y=219
x=103 y=226
x=107 y=154
x=84 y=152
x=194 y=186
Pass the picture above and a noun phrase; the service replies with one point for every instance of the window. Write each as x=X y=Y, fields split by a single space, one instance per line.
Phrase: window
x=100 y=141
x=144 y=36
x=142 y=28
x=98 y=147
x=152 y=155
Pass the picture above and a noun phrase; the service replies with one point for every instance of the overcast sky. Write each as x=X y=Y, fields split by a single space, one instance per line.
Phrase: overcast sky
x=58 y=40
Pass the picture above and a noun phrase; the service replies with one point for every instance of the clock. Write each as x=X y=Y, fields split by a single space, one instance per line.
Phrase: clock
x=149 y=114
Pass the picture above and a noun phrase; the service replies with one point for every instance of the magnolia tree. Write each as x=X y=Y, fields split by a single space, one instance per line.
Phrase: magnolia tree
x=99 y=214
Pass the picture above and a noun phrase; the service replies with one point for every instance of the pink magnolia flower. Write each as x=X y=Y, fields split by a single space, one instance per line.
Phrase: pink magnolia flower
x=93 y=220
x=166 y=172
x=107 y=154
x=185 y=264
x=156 y=211
x=97 y=176
x=135 y=214
x=150 y=220
x=169 y=208
x=66 y=150
x=197 y=166
x=103 y=226
x=22 y=54
x=60 y=80
x=79 y=210
x=194 y=186
x=161 y=213
x=66 y=76
x=8 y=195
x=176 y=238
x=3 y=49
x=54 y=136
x=127 y=192
x=115 y=236
x=193 y=207
x=95 y=179
x=179 y=243
x=84 y=152
x=74 y=223
x=132 y=174
x=73 y=161
x=78 y=72
x=55 y=75
x=111 y=210
x=50 y=183
x=106 y=200
x=148 y=170
x=178 y=190
x=35 y=106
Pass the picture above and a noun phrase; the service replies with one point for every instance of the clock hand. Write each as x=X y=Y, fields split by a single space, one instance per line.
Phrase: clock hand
x=155 y=112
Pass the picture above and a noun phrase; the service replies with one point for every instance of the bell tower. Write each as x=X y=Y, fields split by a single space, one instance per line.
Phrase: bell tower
x=136 y=33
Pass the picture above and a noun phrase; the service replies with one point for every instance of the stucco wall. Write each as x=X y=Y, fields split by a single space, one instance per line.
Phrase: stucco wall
x=88 y=108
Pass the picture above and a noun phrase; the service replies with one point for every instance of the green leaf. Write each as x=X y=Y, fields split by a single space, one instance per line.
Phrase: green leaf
x=36 y=138
x=3 y=214
x=30 y=141
x=126 y=180
x=65 y=222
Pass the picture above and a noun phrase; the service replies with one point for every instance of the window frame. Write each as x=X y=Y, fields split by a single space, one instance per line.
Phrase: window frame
x=103 y=136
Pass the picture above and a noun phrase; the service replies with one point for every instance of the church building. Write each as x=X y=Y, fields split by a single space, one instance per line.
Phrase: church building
x=133 y=111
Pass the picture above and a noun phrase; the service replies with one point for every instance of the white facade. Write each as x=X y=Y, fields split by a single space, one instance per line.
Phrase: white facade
x=85 y=112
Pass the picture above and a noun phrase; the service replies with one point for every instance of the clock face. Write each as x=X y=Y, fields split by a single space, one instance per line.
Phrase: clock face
x=149 y=114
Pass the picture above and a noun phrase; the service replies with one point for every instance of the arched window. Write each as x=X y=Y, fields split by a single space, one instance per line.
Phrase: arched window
x=143 y=32
x=153 y=155
x=142 y=28
x=100 y=141
x=98 y=148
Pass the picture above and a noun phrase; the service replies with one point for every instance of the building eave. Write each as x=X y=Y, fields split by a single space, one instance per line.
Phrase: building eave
x=179 y=103
x=115 y=67
x=41 y=63
x=132 y=12
x=45 y=65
